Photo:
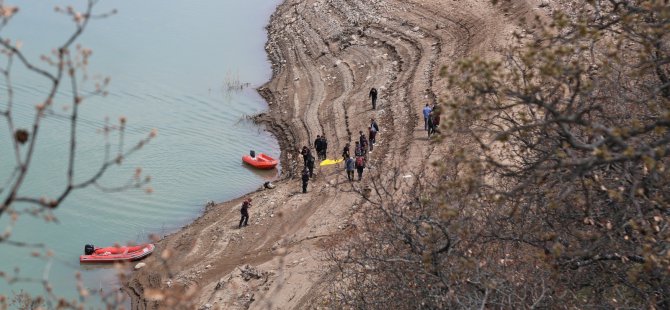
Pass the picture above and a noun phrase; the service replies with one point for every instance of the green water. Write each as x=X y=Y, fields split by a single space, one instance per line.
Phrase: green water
x=169 y=62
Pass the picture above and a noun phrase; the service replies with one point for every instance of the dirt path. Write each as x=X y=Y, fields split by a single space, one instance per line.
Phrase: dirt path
x=326 y=55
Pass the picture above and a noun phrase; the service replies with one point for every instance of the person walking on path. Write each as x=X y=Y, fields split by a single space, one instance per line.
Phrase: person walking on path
x=350 y=165
x=318 y=145
x=360 y=166
x=430 y=124
x=373 y=124
x=363 y=142
x=305 y=180
x=436 y=117
x=426 y=115
x=245 y=212
x=345 y=152
x=373 y=96
x=372 y=133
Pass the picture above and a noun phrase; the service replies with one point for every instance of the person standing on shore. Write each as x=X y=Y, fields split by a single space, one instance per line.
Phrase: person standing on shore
x=345 y=152
x=373 y=96
x=360 y=166
x=306 y=153
x=245 y=212
x=350 y=165
x=305 y=179
x=426 y=116
x=318 y=146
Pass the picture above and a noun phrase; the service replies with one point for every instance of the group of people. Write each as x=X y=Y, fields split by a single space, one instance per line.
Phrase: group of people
x=363 y=146
x=357 y=162
x=321 y=146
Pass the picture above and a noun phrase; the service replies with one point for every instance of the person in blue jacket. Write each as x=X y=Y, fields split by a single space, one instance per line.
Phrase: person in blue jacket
x=426 y=116
x=350 y=165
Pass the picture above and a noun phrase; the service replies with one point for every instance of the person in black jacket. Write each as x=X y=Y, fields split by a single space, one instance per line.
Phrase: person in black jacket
x=345 y=152
x=306 y=153
x=305 y=180
x=363 y=142
x=245 y=212
x=310 y=166
x=374 y=124
x=358 y=150
x=373 y=96
x=318 y=145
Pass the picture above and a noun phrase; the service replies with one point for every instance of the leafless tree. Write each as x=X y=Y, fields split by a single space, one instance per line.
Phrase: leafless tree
x=65 y=70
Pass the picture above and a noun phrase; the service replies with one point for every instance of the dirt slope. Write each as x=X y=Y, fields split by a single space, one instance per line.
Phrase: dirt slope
x=326 y=55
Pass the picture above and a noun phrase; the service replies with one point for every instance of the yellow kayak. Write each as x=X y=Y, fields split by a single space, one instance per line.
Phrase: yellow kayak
x=328 y=162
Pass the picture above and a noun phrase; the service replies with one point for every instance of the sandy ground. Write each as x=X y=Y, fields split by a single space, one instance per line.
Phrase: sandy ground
x=326 y=55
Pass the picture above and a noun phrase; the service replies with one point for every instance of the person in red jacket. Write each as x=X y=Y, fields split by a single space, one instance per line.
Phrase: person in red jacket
x=360 y=166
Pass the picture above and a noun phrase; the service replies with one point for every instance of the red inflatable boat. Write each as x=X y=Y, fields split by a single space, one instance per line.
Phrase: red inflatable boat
x=261 y=161
x=115 y=254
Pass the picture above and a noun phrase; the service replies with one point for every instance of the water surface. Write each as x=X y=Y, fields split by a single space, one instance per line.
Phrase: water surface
x=170 y=62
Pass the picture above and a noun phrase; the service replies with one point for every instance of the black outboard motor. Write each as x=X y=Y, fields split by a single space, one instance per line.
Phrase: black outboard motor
x=89 y=249
x=252 y=153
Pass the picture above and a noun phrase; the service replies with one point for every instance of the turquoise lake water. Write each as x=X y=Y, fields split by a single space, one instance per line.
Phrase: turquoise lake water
x=169 y=63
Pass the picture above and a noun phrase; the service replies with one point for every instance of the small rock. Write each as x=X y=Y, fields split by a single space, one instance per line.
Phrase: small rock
x=205 y=307
x=220 y=285
x=139 y=266
x=249 y=273
x=208 y=266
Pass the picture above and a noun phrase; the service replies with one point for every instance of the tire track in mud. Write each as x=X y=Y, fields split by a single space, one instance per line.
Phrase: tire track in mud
x=342 y=77
x=317 y=94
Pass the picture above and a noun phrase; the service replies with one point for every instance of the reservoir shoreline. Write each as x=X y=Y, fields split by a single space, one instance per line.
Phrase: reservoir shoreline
x=325 y=57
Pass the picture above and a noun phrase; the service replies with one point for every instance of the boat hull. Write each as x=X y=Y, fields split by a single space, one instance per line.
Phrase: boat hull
x=261 y=161
x=118 y=254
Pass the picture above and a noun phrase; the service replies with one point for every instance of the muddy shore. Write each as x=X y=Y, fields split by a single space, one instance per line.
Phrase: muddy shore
x=325 y=55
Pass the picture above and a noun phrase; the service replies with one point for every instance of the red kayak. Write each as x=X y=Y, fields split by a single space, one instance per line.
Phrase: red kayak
x=115 y=254
x=261 y=161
